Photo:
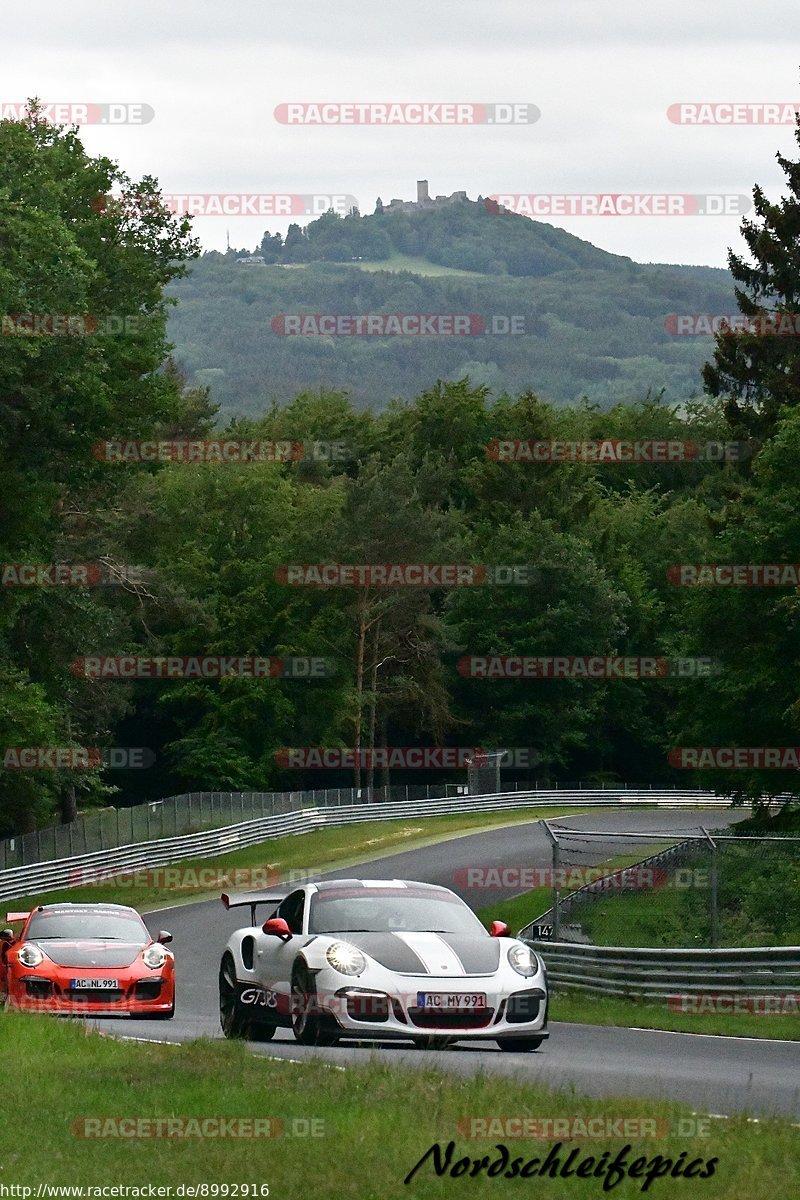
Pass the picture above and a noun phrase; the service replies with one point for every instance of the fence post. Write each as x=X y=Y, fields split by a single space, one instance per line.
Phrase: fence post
x=713 y=898
x=556 y=864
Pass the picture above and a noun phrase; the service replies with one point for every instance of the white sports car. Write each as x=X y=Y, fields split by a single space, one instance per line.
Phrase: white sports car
x=378 y=960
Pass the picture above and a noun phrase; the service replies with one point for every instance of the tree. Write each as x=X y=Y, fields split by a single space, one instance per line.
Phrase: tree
x=757 y=370
x=84 y=317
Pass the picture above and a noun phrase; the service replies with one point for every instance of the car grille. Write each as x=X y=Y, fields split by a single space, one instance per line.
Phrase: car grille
x=450 y=1018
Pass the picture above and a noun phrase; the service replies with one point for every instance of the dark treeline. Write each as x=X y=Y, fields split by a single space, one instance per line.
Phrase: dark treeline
x=198 y=548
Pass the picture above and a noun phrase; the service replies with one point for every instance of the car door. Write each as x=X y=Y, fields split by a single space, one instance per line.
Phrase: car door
x=275 y=957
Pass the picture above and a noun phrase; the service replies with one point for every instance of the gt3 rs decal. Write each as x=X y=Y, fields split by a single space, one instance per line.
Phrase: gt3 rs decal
x=259 y=997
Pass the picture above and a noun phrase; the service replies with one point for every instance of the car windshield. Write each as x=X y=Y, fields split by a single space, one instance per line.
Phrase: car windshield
x=88 y=926
x=370 y=910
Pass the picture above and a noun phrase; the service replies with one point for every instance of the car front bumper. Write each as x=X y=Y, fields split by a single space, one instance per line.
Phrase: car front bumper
x=33 y=991
x=371 y=1012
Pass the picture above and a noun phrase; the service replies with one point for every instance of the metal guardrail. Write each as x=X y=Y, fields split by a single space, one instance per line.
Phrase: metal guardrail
x=70 y=871
x=661 y=974
x=108 y=828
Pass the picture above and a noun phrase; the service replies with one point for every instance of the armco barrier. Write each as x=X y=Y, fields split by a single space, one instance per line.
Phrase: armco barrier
x=62 y=873
x=661 y=974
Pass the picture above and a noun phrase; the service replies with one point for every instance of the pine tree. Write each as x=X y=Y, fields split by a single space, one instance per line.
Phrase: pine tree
x=757 y=370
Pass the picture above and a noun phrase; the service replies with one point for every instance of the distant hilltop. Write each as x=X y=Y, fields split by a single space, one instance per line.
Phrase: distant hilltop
x=423 y=201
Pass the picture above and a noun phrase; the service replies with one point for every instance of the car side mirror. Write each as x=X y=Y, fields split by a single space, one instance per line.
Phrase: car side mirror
x=6 y=936
x=277 y=927
x=164 y=936
x=499 y=929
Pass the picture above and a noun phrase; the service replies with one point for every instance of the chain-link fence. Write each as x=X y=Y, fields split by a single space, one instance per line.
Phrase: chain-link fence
x=105 y=829
x=693 y=888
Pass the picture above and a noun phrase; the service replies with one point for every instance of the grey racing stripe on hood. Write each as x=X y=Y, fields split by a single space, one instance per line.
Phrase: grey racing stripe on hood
x=388 y=950
x=478 y=955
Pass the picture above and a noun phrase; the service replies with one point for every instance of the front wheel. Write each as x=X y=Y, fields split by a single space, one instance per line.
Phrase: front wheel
x=519 y=1044
x=234 y=1020
x=308 y=1022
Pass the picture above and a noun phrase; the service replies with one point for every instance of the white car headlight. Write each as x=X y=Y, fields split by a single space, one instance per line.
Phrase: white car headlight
x=346 y=958
x=523 y=960
x=30 y=955
x=154 y=957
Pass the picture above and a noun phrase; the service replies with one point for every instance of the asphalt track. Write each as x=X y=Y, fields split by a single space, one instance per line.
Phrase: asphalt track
x=713 y=1074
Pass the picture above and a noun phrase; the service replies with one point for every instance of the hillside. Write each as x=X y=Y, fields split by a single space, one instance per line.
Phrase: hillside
x=593 y=322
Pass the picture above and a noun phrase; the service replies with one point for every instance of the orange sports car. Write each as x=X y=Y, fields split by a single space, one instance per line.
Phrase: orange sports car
x=86 y=959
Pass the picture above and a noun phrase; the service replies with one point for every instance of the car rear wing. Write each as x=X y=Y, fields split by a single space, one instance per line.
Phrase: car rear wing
x=251 y=900
x=16 y=916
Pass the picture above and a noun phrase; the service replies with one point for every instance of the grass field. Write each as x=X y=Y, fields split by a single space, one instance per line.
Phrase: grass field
x=352 y=1134
x=419 y=266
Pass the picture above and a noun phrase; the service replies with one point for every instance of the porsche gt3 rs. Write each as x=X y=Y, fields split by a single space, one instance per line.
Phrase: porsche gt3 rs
x=378 y=960
x=86 y=959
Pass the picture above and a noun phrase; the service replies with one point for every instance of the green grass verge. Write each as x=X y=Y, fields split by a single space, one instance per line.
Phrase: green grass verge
x=318 y=850
x=584 y=1009
x=373 y=1124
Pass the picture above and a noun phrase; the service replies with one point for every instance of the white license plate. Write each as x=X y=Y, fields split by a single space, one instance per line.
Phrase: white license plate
x=446 y=1000
x=92 y=985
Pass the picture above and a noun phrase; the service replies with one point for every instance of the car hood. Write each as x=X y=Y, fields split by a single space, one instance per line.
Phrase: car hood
x=102 y=954
x=447 y=955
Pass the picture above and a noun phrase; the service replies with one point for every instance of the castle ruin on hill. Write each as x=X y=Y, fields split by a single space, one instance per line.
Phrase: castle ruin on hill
x=423 y=201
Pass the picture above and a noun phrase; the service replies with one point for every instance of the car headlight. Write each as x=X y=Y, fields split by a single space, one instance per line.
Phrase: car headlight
x=154 y=957
x=346 y=958
x=30 y=955
x=523 y=960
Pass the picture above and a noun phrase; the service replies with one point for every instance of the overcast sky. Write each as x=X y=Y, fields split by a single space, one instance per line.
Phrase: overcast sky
x=602 y=72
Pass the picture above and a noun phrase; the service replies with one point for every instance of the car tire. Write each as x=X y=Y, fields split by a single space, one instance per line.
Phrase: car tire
x=234 y=1021
x=308 y=1023
x=519 y=1044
